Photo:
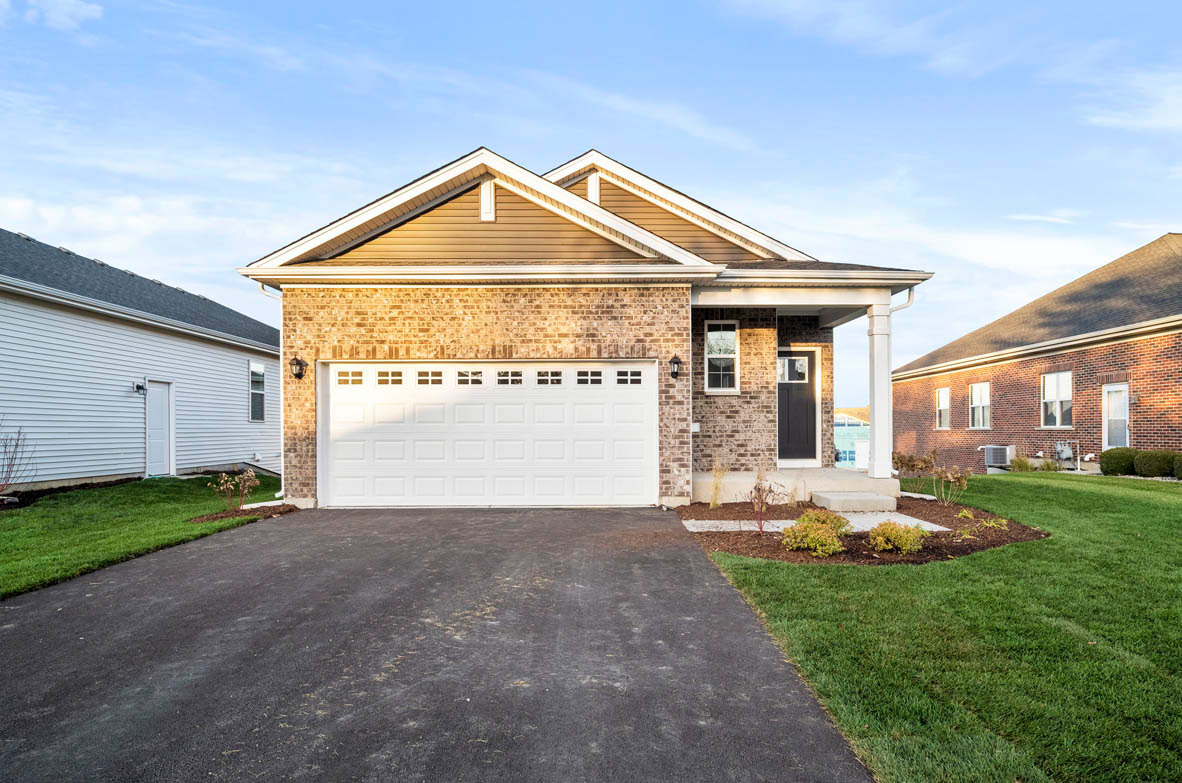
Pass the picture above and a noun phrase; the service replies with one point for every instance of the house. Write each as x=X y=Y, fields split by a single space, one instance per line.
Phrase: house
x=487 y=336
x=851 y=436
x=112 y=375
x=1095 y=364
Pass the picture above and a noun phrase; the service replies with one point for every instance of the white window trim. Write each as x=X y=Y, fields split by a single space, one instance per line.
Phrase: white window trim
x=989 y=406
x=1042 y=422
x=250 y=392
x=938 y=408
x=706 y=357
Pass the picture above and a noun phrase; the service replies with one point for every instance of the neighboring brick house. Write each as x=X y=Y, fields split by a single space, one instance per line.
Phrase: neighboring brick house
x=1098 y=362
x=489 y=336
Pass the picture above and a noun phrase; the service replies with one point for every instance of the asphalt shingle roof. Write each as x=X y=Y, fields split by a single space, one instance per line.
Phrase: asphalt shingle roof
x=1143 y=285
x=42 y=264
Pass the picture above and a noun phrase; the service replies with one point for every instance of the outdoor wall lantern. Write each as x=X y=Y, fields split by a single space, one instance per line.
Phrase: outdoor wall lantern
x=298 y=366
x=674 y=366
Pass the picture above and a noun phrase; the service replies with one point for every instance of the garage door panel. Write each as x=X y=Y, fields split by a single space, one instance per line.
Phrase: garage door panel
x=490 y=433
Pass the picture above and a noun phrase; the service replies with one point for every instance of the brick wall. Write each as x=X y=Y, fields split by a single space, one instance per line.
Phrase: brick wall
x=741 y=429
x=485 y=323
x=1152 y=366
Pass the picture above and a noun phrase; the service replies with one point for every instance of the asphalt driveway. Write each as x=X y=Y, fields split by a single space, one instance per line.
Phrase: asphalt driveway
x=513 y=645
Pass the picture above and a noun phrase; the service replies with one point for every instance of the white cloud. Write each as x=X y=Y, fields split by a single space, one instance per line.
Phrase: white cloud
x=275 y=57
x=1148 y=100
x=61 y=14
x=5 y=7
x=1063 y=216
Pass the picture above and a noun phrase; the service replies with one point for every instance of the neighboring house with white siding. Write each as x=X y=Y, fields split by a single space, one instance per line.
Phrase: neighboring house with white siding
x=112 y=375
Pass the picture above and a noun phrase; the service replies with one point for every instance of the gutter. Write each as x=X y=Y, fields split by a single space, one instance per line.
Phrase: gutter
x=57 y=296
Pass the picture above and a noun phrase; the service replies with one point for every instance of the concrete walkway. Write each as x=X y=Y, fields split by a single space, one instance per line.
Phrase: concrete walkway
x=413 y=645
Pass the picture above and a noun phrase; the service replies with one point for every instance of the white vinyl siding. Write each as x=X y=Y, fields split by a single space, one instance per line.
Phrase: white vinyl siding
x=67 y=380
x=1056 y=400
x=943 y=408
x=979 y=409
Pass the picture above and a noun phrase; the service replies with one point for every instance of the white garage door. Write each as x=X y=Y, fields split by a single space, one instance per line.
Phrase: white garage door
x=490 y=433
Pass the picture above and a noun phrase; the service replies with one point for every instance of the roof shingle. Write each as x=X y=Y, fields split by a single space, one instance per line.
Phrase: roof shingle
x=1143 y=285
x=39 y=263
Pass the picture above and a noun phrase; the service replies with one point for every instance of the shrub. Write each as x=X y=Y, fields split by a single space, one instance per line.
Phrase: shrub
x=892 y=535
x=823 y=516
x=234 y=489
x=1178 y=467
x=1155 y=463
x=764 y=495
x=1021 y=465
x=817 y=538
x=909 y=463
x=948 y=484
x=964 y=513
x=719 y=472
x=1118 y=462
x=1049 y=465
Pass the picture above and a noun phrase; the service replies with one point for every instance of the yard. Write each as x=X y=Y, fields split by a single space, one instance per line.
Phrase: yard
x=63 y=535
x=1045 y=660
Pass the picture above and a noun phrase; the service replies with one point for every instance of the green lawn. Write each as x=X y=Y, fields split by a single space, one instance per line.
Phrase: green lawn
x=67 y=534
x=1058 y=659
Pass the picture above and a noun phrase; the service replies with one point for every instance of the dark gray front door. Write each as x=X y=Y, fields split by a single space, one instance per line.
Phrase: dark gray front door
x=796 y=382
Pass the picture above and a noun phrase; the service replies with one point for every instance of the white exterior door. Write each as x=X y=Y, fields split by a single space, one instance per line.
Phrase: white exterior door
x=1116 y=415
x=489 y=433
x=159 y=415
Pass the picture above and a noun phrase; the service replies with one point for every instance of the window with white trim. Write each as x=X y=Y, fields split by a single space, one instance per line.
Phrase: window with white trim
x=722 y=357
x=508 y=377
x=943 y=408
x=430 y=377
x=979 y=414
x=470 y=377
x=258 y=392
x=589 y=378
x=1056 y=399
x=549 y=377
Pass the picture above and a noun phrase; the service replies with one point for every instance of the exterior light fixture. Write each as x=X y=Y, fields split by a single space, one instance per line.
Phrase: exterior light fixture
x=298 y=366
x=674 y=366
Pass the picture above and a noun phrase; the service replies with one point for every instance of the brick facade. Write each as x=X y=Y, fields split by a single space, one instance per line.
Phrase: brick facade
x=741 y=429
x=1152 y=366
x=375 y=324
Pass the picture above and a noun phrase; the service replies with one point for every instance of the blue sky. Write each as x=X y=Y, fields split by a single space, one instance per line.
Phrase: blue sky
x=1006 y=148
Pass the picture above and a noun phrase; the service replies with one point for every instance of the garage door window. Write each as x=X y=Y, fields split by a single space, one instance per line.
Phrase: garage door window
x=470 y=378
x=509 y=377
x=389 y=377
x=589 y=377
x=430 y=377
x=549 y=377
x=349 y=377
x=627 y=377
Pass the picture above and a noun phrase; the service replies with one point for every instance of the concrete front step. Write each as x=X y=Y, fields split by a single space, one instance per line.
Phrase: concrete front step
x=853 y=501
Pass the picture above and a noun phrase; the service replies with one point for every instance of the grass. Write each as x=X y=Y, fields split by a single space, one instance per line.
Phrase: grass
x=61 y=536
x=1046 y=660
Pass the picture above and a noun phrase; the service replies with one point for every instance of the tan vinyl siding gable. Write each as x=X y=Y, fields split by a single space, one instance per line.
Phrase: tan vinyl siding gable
x=579 y=188
x=667 y=225
x=453 y=232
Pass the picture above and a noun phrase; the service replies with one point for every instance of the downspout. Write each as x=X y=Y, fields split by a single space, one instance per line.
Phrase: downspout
x=282 y=407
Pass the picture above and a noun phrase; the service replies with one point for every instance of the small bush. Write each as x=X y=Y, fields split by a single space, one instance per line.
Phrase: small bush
x=891 y=535
x=1155 y=463
x=1021 y=465
x=817 y=538
x=1118 y=462
x=823 y=516
x=1049 y=466
x=948 y=484
x=964 y=513
x=1178 y=467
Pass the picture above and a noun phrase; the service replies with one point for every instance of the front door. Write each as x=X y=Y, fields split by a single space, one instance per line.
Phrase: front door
x=796 y=381
x=159 y=429
x=1116 y=415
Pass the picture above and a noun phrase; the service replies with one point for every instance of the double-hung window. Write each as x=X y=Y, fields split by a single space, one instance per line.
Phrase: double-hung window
x=1056 y=399
x=722 y=357
x=943 y=408
x=979 y=406
x=258 y=392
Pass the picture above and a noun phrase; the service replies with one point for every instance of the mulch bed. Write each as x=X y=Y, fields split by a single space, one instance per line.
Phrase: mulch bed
x=937 y=546
x=263 y=512
x=742 y=511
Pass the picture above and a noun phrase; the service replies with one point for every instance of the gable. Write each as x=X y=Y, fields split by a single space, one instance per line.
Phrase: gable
x=666 y=224
x=453 y=232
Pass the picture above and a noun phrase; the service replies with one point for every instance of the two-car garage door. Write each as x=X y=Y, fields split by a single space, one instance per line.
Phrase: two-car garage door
x=489 y=433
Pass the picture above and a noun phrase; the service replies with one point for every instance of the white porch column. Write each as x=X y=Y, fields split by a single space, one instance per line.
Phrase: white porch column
x=881 y=423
